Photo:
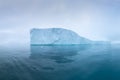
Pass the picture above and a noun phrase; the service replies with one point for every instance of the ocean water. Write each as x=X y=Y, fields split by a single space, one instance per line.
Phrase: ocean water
x=76 y=62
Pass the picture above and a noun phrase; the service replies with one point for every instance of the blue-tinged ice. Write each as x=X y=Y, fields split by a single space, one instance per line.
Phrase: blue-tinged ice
x=56 y=36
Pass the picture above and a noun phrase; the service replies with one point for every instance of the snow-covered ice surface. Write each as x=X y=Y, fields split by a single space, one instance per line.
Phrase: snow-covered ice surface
x=56 y=36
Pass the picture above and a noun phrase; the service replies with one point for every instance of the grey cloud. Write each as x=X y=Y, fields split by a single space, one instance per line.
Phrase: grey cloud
x=90 y=18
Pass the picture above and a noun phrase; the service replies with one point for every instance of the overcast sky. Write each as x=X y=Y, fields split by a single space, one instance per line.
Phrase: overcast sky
x=93 y=19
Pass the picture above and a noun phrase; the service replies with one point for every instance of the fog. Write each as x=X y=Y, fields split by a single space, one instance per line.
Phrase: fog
x=93 y=19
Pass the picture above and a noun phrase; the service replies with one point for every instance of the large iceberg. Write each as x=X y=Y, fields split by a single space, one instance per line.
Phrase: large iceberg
x=56 y=36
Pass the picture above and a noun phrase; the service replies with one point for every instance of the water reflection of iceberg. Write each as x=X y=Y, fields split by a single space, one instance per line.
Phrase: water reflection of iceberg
x=82 y=62
x=59 y=54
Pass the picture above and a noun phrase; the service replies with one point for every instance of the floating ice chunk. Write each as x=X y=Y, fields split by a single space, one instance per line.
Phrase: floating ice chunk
x=56 y=36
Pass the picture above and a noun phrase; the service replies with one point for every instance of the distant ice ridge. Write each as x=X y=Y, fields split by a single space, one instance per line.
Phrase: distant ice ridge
x=56 y=36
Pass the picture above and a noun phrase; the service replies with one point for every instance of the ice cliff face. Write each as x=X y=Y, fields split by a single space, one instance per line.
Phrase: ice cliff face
x=56 y=36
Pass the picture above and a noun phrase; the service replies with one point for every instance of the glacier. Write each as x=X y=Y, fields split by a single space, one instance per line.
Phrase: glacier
x=56 y=36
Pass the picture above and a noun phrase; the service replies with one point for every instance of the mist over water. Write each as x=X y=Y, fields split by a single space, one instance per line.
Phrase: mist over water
x=78 y=62
x=96 y=20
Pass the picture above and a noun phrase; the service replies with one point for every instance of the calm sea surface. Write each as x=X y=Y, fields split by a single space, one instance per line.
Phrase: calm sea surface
x=77 y=62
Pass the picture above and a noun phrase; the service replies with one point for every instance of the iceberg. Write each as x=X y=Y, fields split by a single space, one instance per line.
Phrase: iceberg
x=56 y=36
